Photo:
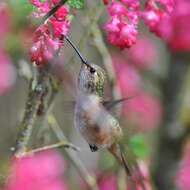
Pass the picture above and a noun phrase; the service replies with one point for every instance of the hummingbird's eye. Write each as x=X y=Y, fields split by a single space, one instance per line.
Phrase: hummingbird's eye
x=92 y=70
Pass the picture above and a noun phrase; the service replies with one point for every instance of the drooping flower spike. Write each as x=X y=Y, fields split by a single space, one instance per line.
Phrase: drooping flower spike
x=48 y=38
x=122 y=27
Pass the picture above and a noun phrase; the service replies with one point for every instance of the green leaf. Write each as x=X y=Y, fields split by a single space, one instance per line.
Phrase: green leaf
x=77 y=4
x=106 y=161
x=21 y=9
x=138 y=146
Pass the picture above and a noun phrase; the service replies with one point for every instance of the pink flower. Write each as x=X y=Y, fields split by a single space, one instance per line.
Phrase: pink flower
x=43 y=7
x=138 y=53
x=36 y=3
x=109 y=181
x=60 y=29
x=143 y=177
x=152 y=15
x=120 y=33
x=125 y=16
x=7 y=73
x=122 y=26
x=42 y=171
x=175 y=29
x=48 y=38
x=44 y=47
x=183 y=175
x=168 y=4
x=133 y=4
x=4 y=22
x=117 y=9
x=127 y=77
x=61 y=13
x=55 y=1
x=143 y=111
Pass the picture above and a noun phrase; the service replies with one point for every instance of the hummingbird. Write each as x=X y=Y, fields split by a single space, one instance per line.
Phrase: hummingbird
x=97 y=126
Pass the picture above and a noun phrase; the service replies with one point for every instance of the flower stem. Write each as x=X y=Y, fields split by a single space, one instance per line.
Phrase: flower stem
x=53 y=10
x=37 y=90
x=172 y=132
x=60 y=144
x=88 y=178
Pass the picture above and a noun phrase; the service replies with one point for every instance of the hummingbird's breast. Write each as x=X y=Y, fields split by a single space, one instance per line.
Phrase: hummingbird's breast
x=95 y=124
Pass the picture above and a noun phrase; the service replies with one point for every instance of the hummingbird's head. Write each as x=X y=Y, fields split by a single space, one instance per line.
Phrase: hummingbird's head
x=91 y=79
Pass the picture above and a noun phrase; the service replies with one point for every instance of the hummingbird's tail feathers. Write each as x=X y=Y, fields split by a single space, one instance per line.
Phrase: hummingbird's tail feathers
x=137 y=175
x=125 y=164
x=116 y=151
x=132 y=169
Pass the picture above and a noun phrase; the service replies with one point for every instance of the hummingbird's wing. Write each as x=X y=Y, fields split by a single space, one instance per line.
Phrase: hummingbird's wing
x=109 y=104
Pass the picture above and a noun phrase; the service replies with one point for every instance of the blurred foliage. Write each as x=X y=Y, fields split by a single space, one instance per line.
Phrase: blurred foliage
x=78 y=4
x=21 y=9
x=138 y=145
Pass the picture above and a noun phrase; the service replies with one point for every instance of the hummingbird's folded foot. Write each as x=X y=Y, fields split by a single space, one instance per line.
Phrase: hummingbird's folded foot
x=93 y=148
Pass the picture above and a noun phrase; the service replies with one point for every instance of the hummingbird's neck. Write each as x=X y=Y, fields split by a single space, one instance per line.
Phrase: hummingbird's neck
x=92 y=92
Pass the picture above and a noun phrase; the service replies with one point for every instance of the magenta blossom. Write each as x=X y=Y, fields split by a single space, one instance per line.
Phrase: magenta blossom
x=153 y=15
x=143 y=111
x=175 y=29
x=183 y=175
x=44 y=46
x=4 y=21
x=127 y=77
x=48 y=38
x=110 y=181
x=122 y=27
x=138 y=56
x=7 y=73
x=121 y=32
x=43 y=171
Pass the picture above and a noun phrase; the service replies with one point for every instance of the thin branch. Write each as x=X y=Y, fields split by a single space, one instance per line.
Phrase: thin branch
x=172 y=132
x=37 y=90
x=61 y=144
x=35 y=98
x=88 y=178
x=53 y=10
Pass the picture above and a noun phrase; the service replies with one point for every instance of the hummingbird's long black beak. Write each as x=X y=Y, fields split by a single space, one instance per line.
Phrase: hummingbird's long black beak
x=83 y=60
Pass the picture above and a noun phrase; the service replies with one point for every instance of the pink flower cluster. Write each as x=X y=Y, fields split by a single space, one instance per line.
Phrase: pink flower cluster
x=143 y=110
x=42 y=171
x=137 y=54
x=7 y=70
x=153 y=15
x=122 y=26
x=183 y=175
x=110 y=181
x=175 y=29
x=48 y=38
